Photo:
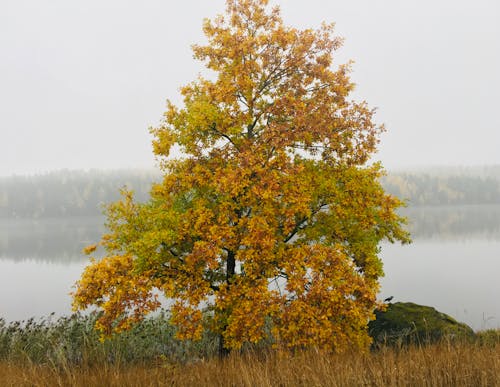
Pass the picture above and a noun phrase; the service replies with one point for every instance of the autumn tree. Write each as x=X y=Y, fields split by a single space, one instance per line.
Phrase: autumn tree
x=270 y=222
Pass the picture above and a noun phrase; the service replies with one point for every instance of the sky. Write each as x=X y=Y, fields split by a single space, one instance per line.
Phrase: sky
x=82 y=81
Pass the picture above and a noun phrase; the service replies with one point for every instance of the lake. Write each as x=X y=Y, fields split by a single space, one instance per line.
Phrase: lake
x=453 y=263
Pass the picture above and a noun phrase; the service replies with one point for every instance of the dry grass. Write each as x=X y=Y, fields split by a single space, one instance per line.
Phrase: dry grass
x=444 y=364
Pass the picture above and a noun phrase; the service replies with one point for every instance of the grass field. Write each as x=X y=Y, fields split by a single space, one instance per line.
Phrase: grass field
x=67 y=352
x=436 y=365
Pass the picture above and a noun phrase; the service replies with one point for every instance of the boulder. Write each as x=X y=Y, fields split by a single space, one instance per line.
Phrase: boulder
x=408 y=323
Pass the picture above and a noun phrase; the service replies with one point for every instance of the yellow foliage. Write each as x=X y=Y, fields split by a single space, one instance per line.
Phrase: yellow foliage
x=271 y=220
x=89 y=249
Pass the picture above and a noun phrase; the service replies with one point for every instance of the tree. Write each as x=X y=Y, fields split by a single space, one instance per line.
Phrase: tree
x=272 y=217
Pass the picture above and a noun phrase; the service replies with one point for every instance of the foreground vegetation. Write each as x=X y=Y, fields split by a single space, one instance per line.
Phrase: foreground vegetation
x=67 y=351
x=436 y=365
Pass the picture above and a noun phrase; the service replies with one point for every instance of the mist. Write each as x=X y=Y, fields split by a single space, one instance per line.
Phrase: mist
x=81 y=82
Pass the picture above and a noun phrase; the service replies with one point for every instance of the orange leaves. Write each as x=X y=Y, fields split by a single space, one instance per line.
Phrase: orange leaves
x=188 y=320
x=306 y=324
x=89 y=249
x=271 y=219
x=112 y=285
x=330 y=301
x=271 y=78
x=243 y=309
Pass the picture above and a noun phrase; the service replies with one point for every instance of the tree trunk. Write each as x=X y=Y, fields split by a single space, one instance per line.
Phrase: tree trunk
x=230 y=267
x=223 y=351
x=230 y=272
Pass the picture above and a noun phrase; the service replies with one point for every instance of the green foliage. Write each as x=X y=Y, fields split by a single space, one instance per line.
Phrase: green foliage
x=73 y=340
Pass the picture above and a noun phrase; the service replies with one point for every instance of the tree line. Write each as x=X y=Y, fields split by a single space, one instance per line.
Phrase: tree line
x=451 y=187
x=84 y=193
x=69 y=193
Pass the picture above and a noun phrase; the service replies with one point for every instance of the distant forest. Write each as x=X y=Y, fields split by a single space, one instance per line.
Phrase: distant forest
x=79 y=193
x=445 y=186
x=70 y=193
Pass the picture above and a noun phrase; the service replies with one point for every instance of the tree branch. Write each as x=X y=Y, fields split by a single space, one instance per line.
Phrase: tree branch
x=303 y=223
x=213 y=128
x=298 y=227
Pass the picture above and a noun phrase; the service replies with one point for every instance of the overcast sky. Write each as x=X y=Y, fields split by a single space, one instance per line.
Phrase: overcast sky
x=81 y=81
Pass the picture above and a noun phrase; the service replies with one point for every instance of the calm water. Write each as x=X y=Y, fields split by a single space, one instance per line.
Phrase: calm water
x=453 y=263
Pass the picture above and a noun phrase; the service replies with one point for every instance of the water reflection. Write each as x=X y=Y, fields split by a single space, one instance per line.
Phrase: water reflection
x=55 y=240
x=454 y=223
x=62 y=239
x=452 y=264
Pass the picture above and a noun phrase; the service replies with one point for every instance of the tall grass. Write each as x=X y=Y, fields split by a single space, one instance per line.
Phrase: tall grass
x=67 y=352
x=434 y=365
x=72 y=340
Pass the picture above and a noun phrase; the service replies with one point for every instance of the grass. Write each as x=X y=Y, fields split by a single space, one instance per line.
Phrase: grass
x=435 y=365
x=67 y=352
x=72 y=340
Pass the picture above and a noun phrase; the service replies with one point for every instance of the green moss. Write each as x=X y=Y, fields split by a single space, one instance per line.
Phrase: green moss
x=406 y=322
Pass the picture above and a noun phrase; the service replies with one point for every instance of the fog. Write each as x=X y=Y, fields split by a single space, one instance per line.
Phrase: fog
x=81 y=82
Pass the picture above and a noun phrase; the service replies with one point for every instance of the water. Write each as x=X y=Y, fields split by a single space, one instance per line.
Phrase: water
x=452 y=264
x=456 y=277
x=40 y=260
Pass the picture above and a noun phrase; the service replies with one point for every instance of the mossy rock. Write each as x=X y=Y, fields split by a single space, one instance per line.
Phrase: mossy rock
x=408 y=323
